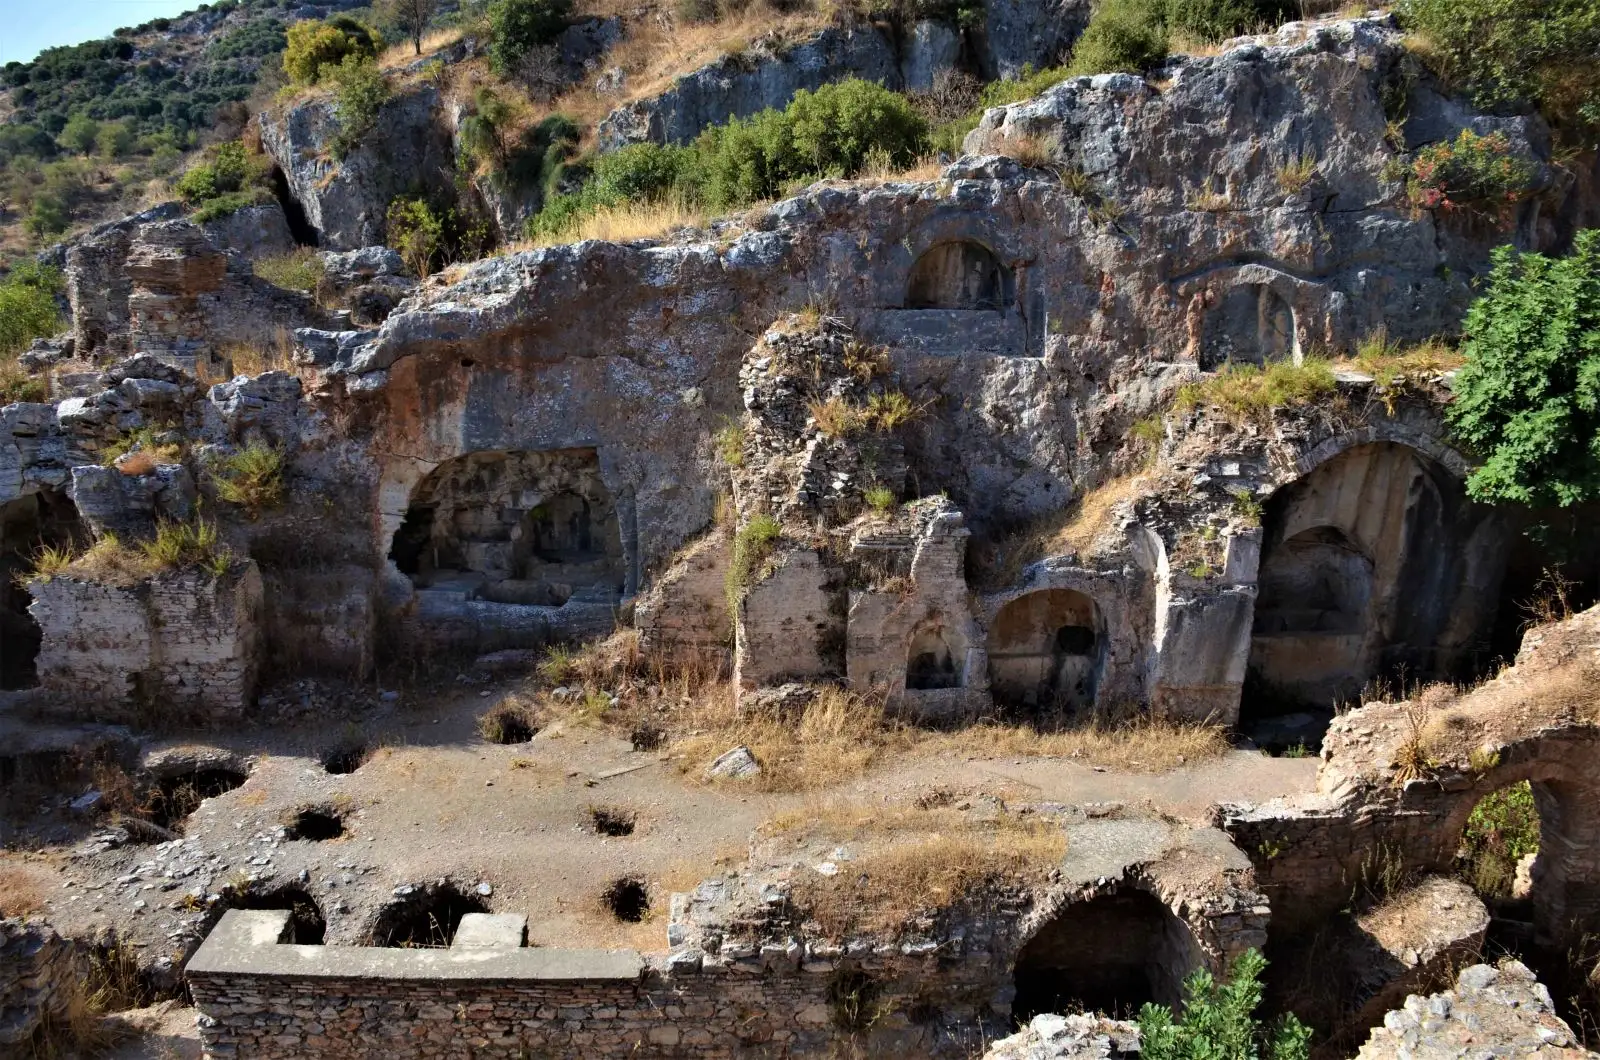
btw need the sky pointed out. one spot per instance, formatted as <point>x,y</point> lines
<point>27,27</point>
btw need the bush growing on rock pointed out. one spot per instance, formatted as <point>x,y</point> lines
<point>519,26</point>
<point>226,178</point>
<point>1528,397</point>
<point>1510,52</point>
<point>1471,171</point>
<point>1218,1021</point>
<point>360,91</point>
<point>1134,35</point>
<point>314,47</point>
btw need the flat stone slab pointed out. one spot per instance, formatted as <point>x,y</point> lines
<point>244,944</point>
<point>491,931</point>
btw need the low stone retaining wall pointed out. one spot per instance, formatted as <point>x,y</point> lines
<point>267,1001</point>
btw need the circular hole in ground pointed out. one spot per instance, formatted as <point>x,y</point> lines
<point>612,820</point>
<point>316,825</point>
<point>177,796</point>
<point>306,925</point>
<point>426,918</point>
<point>647,738</point>
<point>506,724</point>
<point>628,899</point>
<point>345,758</point>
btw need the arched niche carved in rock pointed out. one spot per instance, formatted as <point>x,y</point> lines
<point>1045,652</point>
<point>1249,324</point>
<point>959,275</point>
<point>514,527</point>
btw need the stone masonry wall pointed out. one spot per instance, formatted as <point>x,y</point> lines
<point>186,641</point>
<point>684,618</point>
<point>37,970</point>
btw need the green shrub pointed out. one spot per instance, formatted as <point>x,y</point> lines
<point>1031,83</point>
<point>829,132</point>
<point>223,205</point>
<point>28,308</point>
<point>225,167</point>
<point>416,230</point>
<point>1528,398</point>
<point>1122,36</point>
<point>79,134</point>
<point>1472,171</point>
<point>1507,52</point>
<point>1503,829</point>
<point>1213,20</point>
<point>518,26</point>
<point>313,49</point>
<point>195,545</point>
<point>360,91</point>
<point>1219,1023</point>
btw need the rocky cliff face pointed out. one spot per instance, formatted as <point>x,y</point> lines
<point>346,200</point>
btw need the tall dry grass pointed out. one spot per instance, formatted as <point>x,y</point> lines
<point>912,861</point>
<point>623,224</point>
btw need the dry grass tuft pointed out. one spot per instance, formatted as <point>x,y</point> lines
<point>625,224</point>
<point>276,355</point>
<point>23,887</point>
<point>836,738</point>
<point>1146,743</point>
<point>914,862</point>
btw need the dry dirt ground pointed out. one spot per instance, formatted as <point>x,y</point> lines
<point>515,823</point>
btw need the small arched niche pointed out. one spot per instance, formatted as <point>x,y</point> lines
<point>28,525</point>
<point>514,527</point>
<point>1250,324</point>
<point>930,662</point>
<point>1045,650</point>
<point>1111,954</point>
<point>959,275</point>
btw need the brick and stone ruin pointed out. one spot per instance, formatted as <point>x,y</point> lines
<point>483,678</point>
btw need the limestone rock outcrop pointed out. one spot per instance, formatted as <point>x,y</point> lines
<point>347,200</point>
<point>1500,1011</point>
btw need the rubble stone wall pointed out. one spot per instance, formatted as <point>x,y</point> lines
<point>38,970</point>
<point>184,641</point>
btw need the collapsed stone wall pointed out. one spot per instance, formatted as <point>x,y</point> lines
<point>1501,1010</point>
<point>185,643</point>
<point>39,970</point>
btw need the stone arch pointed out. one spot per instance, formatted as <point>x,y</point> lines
<point>931,661</point>
<point>1109,952</point>
<point>29,523</point>
<point>1362,562</point>
<point>959,274</point>
<point>1250,323</point>
<point>514,526</point>
<point>1046,649</point>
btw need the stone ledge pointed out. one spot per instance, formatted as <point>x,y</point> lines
<point>244,945</point>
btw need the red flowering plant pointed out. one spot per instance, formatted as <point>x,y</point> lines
<point>1480,173</point>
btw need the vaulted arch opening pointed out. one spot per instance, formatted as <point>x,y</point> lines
<point>514,527</point>
<point>29,525</point>
<point>1045,652</point>
<point>959,275</point>
<point>931,663</point>
<point>1111,954</point>
<point>1375,573</point>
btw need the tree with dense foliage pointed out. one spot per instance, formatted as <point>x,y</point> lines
<point>315,48</point>
<point>1218,1021</point>
<point>519,26</point>
<point>410,16</point>
<point>28,308</point>
<point>1511,52</point>
<point>1528,398</point>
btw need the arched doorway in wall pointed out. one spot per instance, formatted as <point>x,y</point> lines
<point>1111,953</point>
<point>931,662</point>
<point>29,524</point>
<point>1250,324</point>
<point>514,527</point>
<point>1045,652</point>
<point>959,275</point>
<point>1362,562</point>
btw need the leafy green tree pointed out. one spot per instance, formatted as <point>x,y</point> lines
<point>1528,398</point>
<point>360,91</point>
<point>416,230</point>
<point>519,26</point>
<point>1219,1023</point>
<point>315,47</point>
<point>28,308</point>
<point>79,134</point>
<point>410,16</point>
